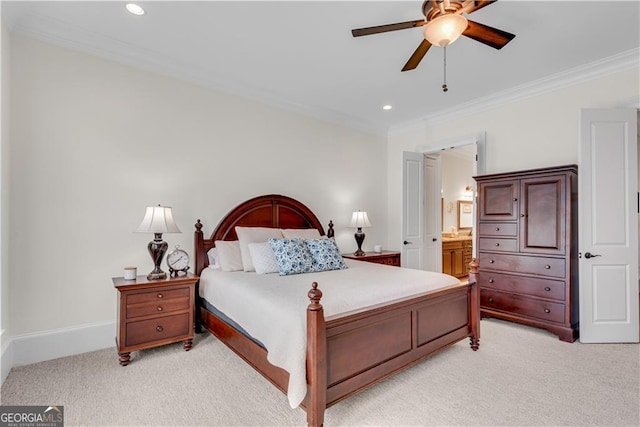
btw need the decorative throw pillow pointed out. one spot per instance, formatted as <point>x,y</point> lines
<point>248,235</point>
<point>300,233</point>
<point>263,258</point>
<point>325,254</point>
<point>229,253</point>
<point>292,255</point>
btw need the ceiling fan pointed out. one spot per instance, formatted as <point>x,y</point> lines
<point>444,23</point>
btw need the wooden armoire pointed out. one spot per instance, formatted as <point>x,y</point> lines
<point>527,248</point>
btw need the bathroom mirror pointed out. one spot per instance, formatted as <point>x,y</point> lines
<point>465,214</point>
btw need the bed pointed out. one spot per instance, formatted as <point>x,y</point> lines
<point>346,351</point>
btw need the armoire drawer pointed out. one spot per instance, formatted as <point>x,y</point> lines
<point>545,288</point>
<point>500,245</point>
<point>544,310</point>
<point>498,229</point>
<point>540,266</point>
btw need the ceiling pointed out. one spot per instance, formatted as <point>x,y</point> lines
<point>300,55</point>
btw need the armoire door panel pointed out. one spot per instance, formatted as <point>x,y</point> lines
<point>542,217</point>
<point>499,201</point>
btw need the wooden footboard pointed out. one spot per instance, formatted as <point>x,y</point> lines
<point>342,357</point>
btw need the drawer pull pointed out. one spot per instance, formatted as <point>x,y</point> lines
<point>491,261</point>
<point>159,308</point>
<point>547,267</point>
<point>490,299</point>
<point>497,228</point>
<point>497,244</point>
<point>490,280</point>
<point>515,199</point>
<point>546,310</point>
<point>160,295</point>
<point>159,328</point>
<point>521,215</point>
<point>546,288</point>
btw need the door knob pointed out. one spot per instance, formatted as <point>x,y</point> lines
<point>406,243</point>
<point>590,255</point>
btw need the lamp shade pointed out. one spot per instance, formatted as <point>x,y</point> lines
<point>158,219</point>
<point>445,29</point>
<point>360,219</point>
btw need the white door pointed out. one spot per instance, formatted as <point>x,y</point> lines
<point>412,210</point>
<point>608,226</point>
<point>432,213</point>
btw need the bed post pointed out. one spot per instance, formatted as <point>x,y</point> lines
<point>198,255</point>
<point>198,251</point>
<point>316,358</point>
<point>474,305</point>
<point>330,232</point>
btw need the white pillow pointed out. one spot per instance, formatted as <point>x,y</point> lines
<point>300,233</point>
<point>214,258</point>
<point>229,253</point>
<point>263,258</point>
<point>248,235</point>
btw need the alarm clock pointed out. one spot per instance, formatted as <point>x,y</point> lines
<point>177,260</point>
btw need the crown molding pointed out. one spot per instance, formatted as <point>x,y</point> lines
<point>611,65</point>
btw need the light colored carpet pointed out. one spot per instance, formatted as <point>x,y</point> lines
<point>520,376</point>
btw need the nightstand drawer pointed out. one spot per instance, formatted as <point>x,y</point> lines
<point>545,310</point>
<point>157,295</point>
<point>160,328</point>
<point>394,261</point>
<point>159,307</point>
<point>545,288</point>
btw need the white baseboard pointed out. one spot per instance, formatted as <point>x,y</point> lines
<point>47,345</point>
<point>6,356</point>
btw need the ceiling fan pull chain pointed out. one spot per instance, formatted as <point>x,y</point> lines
<point>444,86</point>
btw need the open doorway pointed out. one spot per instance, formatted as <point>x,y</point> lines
<point>457,207</point>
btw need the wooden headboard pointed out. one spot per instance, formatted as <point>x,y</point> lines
<point>272,210</point>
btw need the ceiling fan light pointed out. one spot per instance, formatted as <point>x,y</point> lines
<point>445,29</point>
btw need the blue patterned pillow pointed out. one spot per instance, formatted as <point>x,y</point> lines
<point>292,255</point>
<point>325,254</point>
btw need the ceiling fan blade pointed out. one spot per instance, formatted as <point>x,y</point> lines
<point>417,56</point>
<point>488,35</point>
<point>386,28</point>
<point>476,5</point>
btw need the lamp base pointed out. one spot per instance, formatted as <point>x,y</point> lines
<point>161,275</point>
<point>359,239</point>
<point>157,249</point>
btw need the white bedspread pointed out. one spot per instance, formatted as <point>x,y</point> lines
<point>272,308</point>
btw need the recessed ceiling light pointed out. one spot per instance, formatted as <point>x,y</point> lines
<point>135,9</point>
<point>387,107</point>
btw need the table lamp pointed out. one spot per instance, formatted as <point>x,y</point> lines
<point>359,219</point>
<point>157,220</point>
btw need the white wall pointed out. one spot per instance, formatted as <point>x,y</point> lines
<point>94,142</point>
<point>535,132</point>
<point>5,358</point>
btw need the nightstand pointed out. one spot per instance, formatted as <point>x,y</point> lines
<point>154,312</point>
<point>384,257</point>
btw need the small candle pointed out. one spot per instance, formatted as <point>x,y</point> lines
<point>130,273</point>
